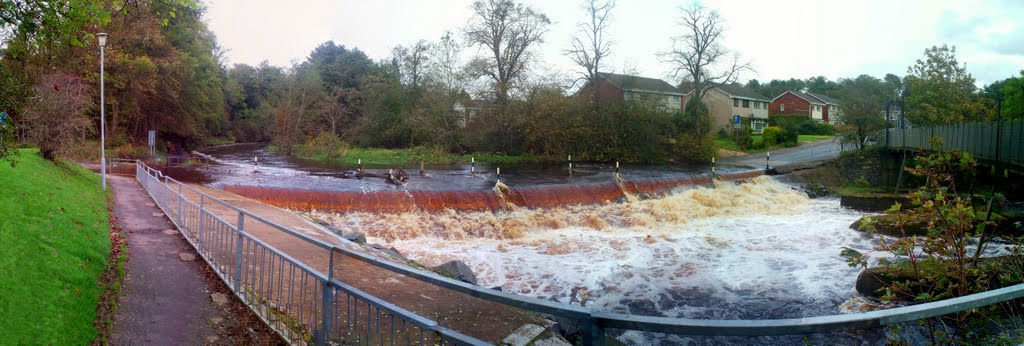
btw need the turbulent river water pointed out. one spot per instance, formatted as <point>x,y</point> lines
<point>756,250</point>
<point>753,250</point>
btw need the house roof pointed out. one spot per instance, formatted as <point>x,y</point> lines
<point>738,91</point>
<point>806,97</point>
<point>640,83</point>
<point>826,99</point>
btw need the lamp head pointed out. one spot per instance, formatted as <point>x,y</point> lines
<point>102,38</point>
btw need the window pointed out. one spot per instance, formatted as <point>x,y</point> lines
<point>817,108</point>
<point>757,104</point>
<point>746,103</point>
<point>782,107</point>
<point>735,102</point>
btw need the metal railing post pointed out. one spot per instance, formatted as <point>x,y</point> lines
<point>326,298</point>
<point>199,233</point>
<point>593,334</point>
<point>238,251</point>
<point>181,221</point>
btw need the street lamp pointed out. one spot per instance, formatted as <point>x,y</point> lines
<point>103,142</point>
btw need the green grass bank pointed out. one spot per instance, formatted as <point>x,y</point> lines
<point>408,157</point>
<point>54,230</point>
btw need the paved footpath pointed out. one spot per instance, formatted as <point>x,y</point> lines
<point>170,296</point>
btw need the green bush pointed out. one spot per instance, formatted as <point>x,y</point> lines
<point>744,138</point>
<point>771,136</point>
<point>325,145</point>
<point>811,127</point>
<point>802,124</point>
<point>789,137</point>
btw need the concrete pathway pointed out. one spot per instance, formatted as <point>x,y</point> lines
<point>169,292</point>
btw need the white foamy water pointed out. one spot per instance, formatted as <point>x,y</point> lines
<point>708,268</point>
<point>739,251</point>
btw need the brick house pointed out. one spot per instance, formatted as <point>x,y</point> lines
<point>815,106</point>
<point>831,112</point>
<point>725,102</point>
<point>468,109</point>
<point>611,87</point>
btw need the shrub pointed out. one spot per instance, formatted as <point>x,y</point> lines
<point>744,138</point>
<point>771,136</point>
<point>325,145</point>
<point>131,151</point>
<point>789,137</point>
<point>7,132</point>
<point>946,262</point>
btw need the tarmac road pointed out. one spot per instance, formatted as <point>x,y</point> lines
<point>809,152</point>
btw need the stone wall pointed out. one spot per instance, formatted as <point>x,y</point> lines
<point>875,167</point>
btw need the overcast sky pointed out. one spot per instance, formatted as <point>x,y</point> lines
<point>783,38</point>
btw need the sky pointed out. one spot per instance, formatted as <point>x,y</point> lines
<point>782,38</point>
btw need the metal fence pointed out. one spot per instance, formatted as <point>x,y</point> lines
<point>1000,141</point>
<point>304,305</point>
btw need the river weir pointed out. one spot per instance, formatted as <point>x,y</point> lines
<point>752,250</point>
<point>685,246</point>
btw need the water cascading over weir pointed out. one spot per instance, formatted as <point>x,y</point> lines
<point>502,198</point>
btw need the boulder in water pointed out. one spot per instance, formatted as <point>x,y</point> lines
<point>457,270</point>
<point>355,237</point>
<point>391,251</point>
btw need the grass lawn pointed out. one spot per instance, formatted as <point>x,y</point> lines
<point>54,233</point>
<point>812,138</point>
<point>410,157</point>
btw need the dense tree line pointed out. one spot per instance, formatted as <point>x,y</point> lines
<point>165,72</point>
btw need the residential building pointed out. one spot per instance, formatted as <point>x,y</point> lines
<point>726,102</point>
<point>468,109</point>
<point>611,87</point>
<point>831,113</point>
<point>815,106</point>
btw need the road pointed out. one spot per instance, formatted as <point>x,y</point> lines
<point>808,152</point>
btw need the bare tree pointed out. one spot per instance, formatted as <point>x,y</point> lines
<point>507,30</point>
<point>590,45</point>
<point>698,54</point>
<point>56,118</point>
<point>447,67</point>
<point>412,61</point>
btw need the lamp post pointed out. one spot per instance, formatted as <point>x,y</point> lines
<point>103,142</point>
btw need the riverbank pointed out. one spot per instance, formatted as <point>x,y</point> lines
<point>411,156</point>
<point>54,227</point>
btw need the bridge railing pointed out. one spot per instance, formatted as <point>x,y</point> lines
<point>1000,141</point>
<point>304,305</point>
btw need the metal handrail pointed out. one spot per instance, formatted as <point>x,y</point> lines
<point>593,322</point>
<point>1001,141</point>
